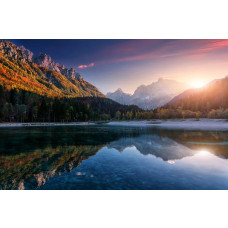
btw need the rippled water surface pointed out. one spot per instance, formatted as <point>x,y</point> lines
<point>111,157</point>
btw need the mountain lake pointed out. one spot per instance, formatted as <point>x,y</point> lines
<point>103,157</point>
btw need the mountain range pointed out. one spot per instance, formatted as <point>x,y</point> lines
<point>22,73</point>
<point>150,96</point>
<point>21,69</point>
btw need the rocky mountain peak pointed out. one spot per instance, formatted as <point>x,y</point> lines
<point>70,73</point>
<point>27,52</point>
<point>119,90</point>
<point>12,51</point>
<point>44,60</point>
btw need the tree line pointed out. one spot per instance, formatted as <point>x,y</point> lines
<point>164,113</point>
<point>24,106</point>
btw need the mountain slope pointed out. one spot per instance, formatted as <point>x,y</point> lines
<point>212,96</point>
<point>17,70</point>
<point>151,96</point>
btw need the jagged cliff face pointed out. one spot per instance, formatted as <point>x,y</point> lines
<point>45,60</point>
<point>27,52</point>
<point>20,68</point>
<point>12,52</point>
<point>151,96</point>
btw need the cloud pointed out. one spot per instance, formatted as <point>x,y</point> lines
<point>215,44</point>
<point>135,49</point>
<point>138,50</point>
<point>86,66</point>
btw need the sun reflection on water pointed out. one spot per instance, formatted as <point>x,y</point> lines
<point>203,152</point>
<point>171,162</point>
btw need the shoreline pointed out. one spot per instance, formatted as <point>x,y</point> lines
<point>44,124</point>
<point>177,124</point>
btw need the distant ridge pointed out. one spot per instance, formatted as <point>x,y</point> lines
<point>150,96</point>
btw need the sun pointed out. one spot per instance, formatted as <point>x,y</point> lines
<point>198,84</point>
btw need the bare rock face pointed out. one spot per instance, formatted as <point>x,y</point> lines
<point>27,52</point>
<point>71,73</point>
<point>12,51</point>
<point>46,61</point>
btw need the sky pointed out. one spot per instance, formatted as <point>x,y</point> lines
<point>127,64</point>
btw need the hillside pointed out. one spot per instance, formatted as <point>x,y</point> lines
<point>212,96</point>
<point>20,70</point>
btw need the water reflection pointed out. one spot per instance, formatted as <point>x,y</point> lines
<point>212,142</point>
<point>171,162</point>
<point>36,167</point>
<point>203,152</point>
<point>162,147</point>
<point>31,157</point>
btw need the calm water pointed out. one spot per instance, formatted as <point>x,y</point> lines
<point>106,157</point>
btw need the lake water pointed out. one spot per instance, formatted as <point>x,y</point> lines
<point>111,157</point>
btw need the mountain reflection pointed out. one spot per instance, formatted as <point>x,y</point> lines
<point>29,157</point>
<point>162,147</point>
<point>173,145</point>
<point>37,167</point>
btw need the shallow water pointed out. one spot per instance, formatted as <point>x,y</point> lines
<point>111,157</point>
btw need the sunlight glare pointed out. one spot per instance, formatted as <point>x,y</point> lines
<point>203,152</point>
<point>198,84</point>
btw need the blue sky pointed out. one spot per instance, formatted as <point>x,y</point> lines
<point>126,64</point>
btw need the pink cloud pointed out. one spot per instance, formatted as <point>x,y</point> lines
<point>130,50</point>
<point>161,52</point>
<point>86,66</point>
<point>214,44</point>
<point>193,49</point>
